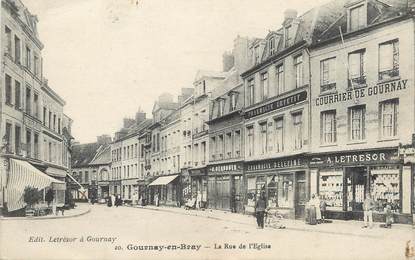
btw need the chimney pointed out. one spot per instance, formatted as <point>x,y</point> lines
<point>227,61</point>
<point>290,14</point>
<point>140,116</point>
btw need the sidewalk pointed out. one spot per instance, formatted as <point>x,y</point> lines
<point>79,210</point>
<point>340,227</point>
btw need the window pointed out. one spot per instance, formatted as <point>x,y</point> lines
<point>44,116</point>
<point>54,122</point>
<point>28,143</point>
<point>256,54</point>
<point>221,106</point>
<point>59,125</point>
<point>8,137</point>
<point>17,48</point>
<point>36,64</point>
<point>17,142</point>
<point>279,134</point>
<point>213,147</point>
<point>237,143</point>
<point>17,95</point>
<point>299,71</point>
<point>388,59</point>
<point>357,18</point>
<point>327,75</point>
<point>279,77</point>
<point>250,140</point>
<point>203,152</point>
<point>328,127</point>
<point>357,74</point>
<point>251,92</point>
<point>288,35</point>
<point>220,146</point>
<point>28,58</point>
<point>388,111</point>
<point>298,130</point>
<point>271,45</point>
<point>28,101</point>
<point>36,146</point>
<point>228,145</point>
<point>263,139</point>
<point>36,105</point>
<point>8,90</point>
<point>264,86</point>
<point>357,123</point>
<point>8,33</point>
<point>233,101</point>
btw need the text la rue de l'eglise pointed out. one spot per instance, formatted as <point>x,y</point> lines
<point>362,92</point>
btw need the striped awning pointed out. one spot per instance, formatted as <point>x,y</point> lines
<point>21,175</point>
<point>164,180</point>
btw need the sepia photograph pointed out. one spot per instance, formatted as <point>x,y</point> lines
<point>209,129</point>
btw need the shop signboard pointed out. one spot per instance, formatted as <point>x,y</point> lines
<point>227,168</point>
<point>355,158</point>
<point>283,163</point>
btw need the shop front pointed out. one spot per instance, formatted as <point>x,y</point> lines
<point>103,190</point>
<point>167,189</point>
<point>284,183</point>
<point>199,189</point>
<point>344,180</point>
<point>225,187</point>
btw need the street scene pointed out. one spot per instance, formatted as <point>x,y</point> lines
<point>207,130</point>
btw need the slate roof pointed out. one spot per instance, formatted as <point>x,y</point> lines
<point>102,156</point>
<point>83,154</point>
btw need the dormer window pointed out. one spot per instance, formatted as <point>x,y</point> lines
<point>288,35</point>
<point>221,107</point>
<point>233,101</point>
<point>256,54</point>
<point>357,17</point>
<point>271,45</point>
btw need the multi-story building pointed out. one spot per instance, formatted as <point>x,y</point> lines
<point>276,113</point>
<point>362,109</point>
<point>30,139</point>
<point>225,168</point>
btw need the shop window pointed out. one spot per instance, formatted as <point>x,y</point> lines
<point>331,188</point>
<point>272,191</point>
<point>389,60</point>
<point>285,191</point>
<point>384,187</point>
<point>388,112</point>
<point>328,127</point>
<point>356,187</point>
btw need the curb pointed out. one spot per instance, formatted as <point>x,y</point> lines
<point>244,223</point>
<point>43,218</point>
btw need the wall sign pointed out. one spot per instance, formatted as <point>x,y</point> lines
<point>378,89</point>
<point>280,103</point>
<point>225,167</point>
<point>275,164</point>
<point>355,158</point>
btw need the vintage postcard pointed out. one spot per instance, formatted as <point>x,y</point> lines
<point>209,129</point>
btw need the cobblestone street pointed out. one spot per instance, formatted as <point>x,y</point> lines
<point>122,232</point>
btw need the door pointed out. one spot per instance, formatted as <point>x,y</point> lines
<point>236,194</point>
<point>300,195</point>
<point>211,192</point>
<point>356,187</point>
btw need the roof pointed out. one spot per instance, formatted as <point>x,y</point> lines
<point>209,74</point>
<point>102,156</point>
<point>83,154</point>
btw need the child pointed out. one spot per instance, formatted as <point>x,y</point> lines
<point>388,216</point>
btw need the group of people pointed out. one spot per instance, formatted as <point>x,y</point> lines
<point>113,200</point>
<point>316,210</point>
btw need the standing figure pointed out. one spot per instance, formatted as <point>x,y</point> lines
<point>323,208</point>
<point>368,206</point>
<point>317,206</point>
<point>260,207</point>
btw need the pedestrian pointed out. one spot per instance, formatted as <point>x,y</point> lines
<point>118,201</point>
<point>368,206</point>
<point>113,199</point>
<point>156,199</point>
<point>388,216</point>
<point>109,202</point>
<point>260,206</point>
<point>323,208</point>
<point>199,200</point>
<point>311,211</point>
<point>317,207</point>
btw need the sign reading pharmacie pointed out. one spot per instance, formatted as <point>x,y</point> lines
<point>277,104</point>
<point>283,163</point>
<point>355,158</point>
<point>379,89</point>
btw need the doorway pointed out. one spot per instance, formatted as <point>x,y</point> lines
<point>357,184</point>
<point>300,195</point>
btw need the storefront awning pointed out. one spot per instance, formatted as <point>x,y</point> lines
<point>164,180</point>
<point>21,175</point>
<point>55,172</point>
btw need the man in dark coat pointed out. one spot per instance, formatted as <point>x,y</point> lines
<point>260,206</point>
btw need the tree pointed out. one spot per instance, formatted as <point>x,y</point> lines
<point>49,196</point>
<point>31,196</point>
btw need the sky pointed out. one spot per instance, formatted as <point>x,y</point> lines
<point>108,58</point>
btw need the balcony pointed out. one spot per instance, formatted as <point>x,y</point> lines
<point>328,87</point>
<point>357,82</point>
<point>388,74</point>
<point>237,154</point>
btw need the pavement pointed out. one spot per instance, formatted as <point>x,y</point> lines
<point>79,210</point>
<point>349,227</point>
